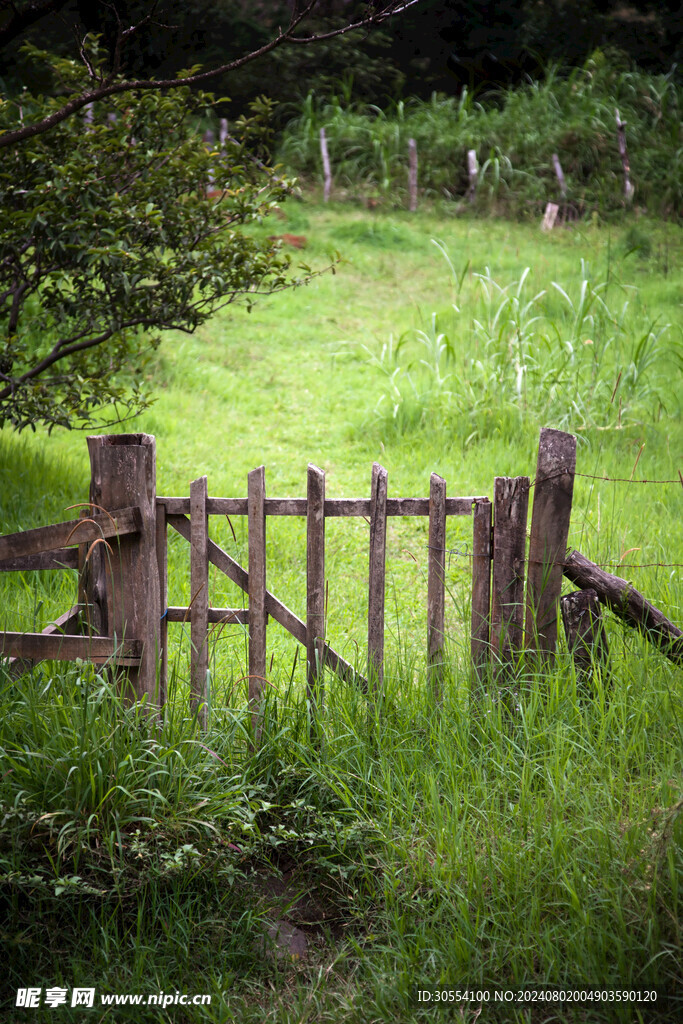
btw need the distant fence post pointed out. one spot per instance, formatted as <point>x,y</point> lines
<point>412,174</point>
<point>123,579</point>
<point>326,166</point>
<point>473,172</point>
<point>623,153</point>
<point>510,505</point>
<point>554,488</point>
<point>560,175</point>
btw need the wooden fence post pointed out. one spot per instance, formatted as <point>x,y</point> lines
<point>376,581</point>
<point>315,585</point>
<point>473,172</point>
<point>560,175</point>
<point>511,502</point>
<point>436,585</point>
<point>585,632</point>
<point>481,590</point>
<point>326,166</point>
<point>199,600</point>
<point>256,513</point>
<point>124,580</point>
<point>623,153</point>
<point>412,174</point>
<point>554,488</point>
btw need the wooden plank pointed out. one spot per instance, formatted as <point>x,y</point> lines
<point>162,563</point>
<point>226,616</point>
<point>334,507</point>
<point>121,522</point>
<point>585,632</point>
<point>257,590</point>
<point>481,591</point>
<point>123,473</point>
<point>436,585</point>
<point>199,603</point>
<point>550,517</point>
<point>628,604</point>
<point>510,505</point>
<point>315,586</point>
<point>63,558</point>
<point>376,576</point>
<point>67,647</point>
<point>66,623</point>
<point>286,618</point>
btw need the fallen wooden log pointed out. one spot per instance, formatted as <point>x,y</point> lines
<point>627,603</point>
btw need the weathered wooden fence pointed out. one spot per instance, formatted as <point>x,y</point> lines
<point>119,547</point>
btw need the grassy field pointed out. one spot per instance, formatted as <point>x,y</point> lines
<point>526,849</point>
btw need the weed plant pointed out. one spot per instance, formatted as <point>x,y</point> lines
<point>586,360</point>
<point>514,133</point>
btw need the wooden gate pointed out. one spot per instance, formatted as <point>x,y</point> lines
<point>119,546</point>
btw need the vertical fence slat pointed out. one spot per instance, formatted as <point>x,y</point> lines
<point>376,588</point>
<point>256,512</point>
<point>481,587</point>
<point>315,584</point>
<point>550,517</point>
<point>199,608</point>
<point>85,618</point>
<point>162,562</point>
<point>436,584</point>
<point>511,501</point>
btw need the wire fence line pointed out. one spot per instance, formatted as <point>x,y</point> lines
<point>611,479</point>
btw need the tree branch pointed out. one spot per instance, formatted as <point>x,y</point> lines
<point>389,9</point>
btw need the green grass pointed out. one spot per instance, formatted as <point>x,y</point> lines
<point>514,133</point>
<point>516,849</point>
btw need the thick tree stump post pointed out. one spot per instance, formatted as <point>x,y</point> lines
<point>622,598</point>
<point>585,632</point>
<point>123,585</point>
<point>554,489</point>
<point>511,502</point>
